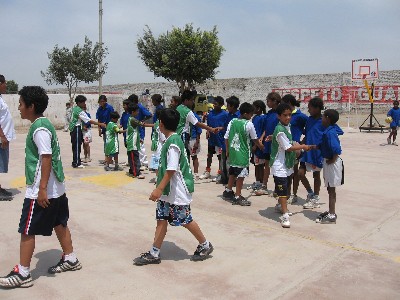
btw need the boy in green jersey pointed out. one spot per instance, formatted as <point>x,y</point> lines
<point>112,142</point>
<point>237,141</point>
<point>45,205</point>
<point>175,185</point>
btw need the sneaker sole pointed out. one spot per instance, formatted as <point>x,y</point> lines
<point>201,258</point>
<point>76,268</point>
<point>139,263</point>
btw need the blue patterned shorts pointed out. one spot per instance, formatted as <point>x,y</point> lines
<point>176,215</point>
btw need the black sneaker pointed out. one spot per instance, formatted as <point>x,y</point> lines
<point>202,253</point>
<point>323,215</point>
<point>5,192</point>
<point>328,220</point>
<point>241,201</point>
<point>146,259</point>
<point>228,195</point>
<point>14,280</point>
<point>64,266</point>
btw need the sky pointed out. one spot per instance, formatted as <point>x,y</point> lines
<point>261,37</point>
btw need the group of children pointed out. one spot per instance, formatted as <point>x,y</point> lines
<point>46,206</point>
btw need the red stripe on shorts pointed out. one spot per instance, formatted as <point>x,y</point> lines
<point>29,216</point>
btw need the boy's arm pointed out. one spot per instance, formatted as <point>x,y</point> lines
<point>332,160</point>
<point>258,144</point>
<point>98,124</point>
<point>208,128</point>
<point>227,147</point>
<point>42,199</point>
<point>3,140</point>
<point>157,192</point>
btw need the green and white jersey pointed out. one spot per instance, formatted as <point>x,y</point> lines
<point>173,157</point>
<point>154,136</point>
<point>186,117</point>
<point>132,136</point>
<point>78,116</point>
<point>239,133</point>
<point>112,142</point>
<point>42,139</point>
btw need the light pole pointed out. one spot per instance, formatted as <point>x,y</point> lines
<point>101,45</point>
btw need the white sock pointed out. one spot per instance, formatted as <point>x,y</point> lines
<point>205,245</point>
<point>24,271</point>
<point>228,190</point>
<point>331,216</point>
<point>70,257</point>
<point>286,215</point>
<point>155,251</point>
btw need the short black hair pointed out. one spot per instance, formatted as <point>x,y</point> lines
<point>102,97</point>
<point>157,97</point>
<point>170,118</point>
<point>177,99</point>
<point>80,99</point>
<point>114,115</point>
<point>233,101</point>
<point>134,98</point>
<point>332,115</point>
<point>219,100</point>
<point>126,101</point>
<point>317,103</point>
<point>34,95</point>
<point>187,95</point>
<point>290,99</point>
<point>132,107</point>
<point>395,102</point>
<point>261,105</point>
<point>274,96</point>
<point>2,79</point>
<point>282,107</point>
<point>246,108</point>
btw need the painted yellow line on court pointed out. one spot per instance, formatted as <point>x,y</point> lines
<point>20,182</point>
<point>115,179</point>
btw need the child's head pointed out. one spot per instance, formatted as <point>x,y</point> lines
<point>33,100</point>
<point>114,116</point>
<point>125,104</point>
<point>80,101</point>
<point>246,110</point>
<point>188,98</point>
<point>284,112</point>
<point>156,99</point>
<point>68,105</point>
<point>3,85</point>
<point>218,103</point>
<point>102,100</point>
<point>396,104</point>
<point>175,101</point>
<point>291,100</point>
<point>169,119</point>
<point>232,104</point>
<point>315,106</point>
<point>134,98</point>
<point>330,117</point>
<point>273,100</point>
<point>133,109</point>
<point>259,107</point>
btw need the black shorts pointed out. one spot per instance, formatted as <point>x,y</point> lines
<point>211,150</point>
<point>267,156</point>
<point>238,172</point>
<point>281,186</point>
<point>36,220</point>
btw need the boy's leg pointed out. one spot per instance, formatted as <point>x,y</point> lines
<point>317,182</point>
<point>64,237</point>
<point>194,229</point>
<point>204,249</point>
<point>281,188</point>
<point>394,135</point>
<point>239,186</point>
<point>26,249</point>
<point>223,168</point>
<point>136,163</point>
<point>130,161</point>
<point>296,179</point>
<point>195,160</point>
<point>161,231</point>
<point>332,199</point>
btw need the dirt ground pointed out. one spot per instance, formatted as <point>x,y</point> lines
<point>112,222</point>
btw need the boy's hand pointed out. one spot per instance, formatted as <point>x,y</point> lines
<point>4,142</point>
<point>42,199</point>
<point>155,195</point>
<point>215,130</point>
<point>268,138</point>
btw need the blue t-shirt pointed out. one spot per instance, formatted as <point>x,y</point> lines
<point>395,114</point>
<point>103,115</point>
<point>217,119</point>
<point>155,114</point>
<point>297,124</point>
<point>270,122</point>
<point>258,122</point>
<point>124,122</point>
<point>313,136</point>
<point>143,114</point>
<point>195,131</point>
<point>229,118</point>
<point>330,144</point>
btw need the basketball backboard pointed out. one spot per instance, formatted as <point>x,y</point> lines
<point>365,68</point>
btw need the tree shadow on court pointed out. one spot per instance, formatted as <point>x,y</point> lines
<point>46,259</point>
<point>170,251</point>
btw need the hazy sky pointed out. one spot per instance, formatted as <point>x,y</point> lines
<point>261,37</point>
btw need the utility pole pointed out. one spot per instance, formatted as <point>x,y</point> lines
<point>101,44</point>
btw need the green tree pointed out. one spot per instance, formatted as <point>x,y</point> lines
<point>12,87</point>
<point>186,56</point>
<point>80,64</point>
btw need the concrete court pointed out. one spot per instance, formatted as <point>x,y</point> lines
<point>112,222</point>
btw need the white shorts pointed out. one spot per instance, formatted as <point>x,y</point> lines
<point>191,144</point>
<point>87,136</point>
<point>312,168</point>
<point>258,161</point>
<point>333,173</point>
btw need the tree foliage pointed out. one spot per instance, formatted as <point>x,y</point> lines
<point>80,64</point>
<point>186,56</point>
<point>12,87</point>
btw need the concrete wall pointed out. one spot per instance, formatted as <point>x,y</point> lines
<point>247,89</point>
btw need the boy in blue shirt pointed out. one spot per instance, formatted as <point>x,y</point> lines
<point>333,170</point>
<point>394,113</point>
<point>124,117</point>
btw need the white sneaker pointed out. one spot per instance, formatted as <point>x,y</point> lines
<point>285,221</point>
<point>81,167</point>
<point>292,199</point>
<point>394,144</point>
<point>311,204</point>
<point>389,141</point>
<point>205,175</point>
<point>216,179</point>
<point>196,176</point>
